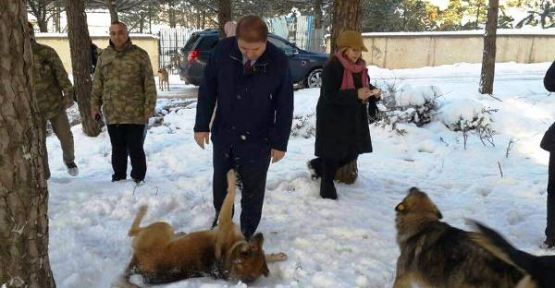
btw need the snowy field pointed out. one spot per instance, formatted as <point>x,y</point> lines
<point>345,243</point>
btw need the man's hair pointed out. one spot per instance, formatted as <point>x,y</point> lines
<point>252,29</point>
<point>121,24</point>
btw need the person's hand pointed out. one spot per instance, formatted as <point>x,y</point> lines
<point>376,93</point>
<point>363,93</point>
<point>202,138</point>
<point>96,114</point>
<point>147,116</point>
<point>277,155</point>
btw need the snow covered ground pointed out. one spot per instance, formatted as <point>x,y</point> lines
<point>344,243</point>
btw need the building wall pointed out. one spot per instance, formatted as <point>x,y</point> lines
<point>60,43</point>
<point>412,50</point>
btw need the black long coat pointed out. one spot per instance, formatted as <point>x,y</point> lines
<point>342,130</point>
<point>549,80</point>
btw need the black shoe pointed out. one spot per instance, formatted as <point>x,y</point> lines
<point>139,181</point>
<point>72,169</point>
<point>549,243</point>
<point>117,178</point>
<point>329,193</point>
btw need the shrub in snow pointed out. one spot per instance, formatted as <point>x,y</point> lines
<point>466,115</point>
<point>407,104</point>
<point>304,126</point>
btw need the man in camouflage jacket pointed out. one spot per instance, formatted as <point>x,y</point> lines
<point>54,94</point>
<point>124,86</point>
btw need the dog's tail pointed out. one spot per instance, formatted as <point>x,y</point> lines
<point>226,213</point>
<point>493,242</point>
<point>135,227</point>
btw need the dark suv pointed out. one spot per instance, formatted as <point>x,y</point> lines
<point>306,67</point>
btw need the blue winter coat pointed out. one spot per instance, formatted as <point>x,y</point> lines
<point>255,108</point>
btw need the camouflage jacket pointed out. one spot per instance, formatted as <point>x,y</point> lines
<point>50,80</point>
<point>124,85</point>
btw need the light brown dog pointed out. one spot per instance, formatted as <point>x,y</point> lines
<point>435,254</point>
<point>163,79</point>
<point>161,256</point>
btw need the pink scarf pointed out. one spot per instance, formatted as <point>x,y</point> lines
<point>349,69</point>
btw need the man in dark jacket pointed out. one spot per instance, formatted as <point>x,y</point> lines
<point>249,80</point>
<point>547,144</point>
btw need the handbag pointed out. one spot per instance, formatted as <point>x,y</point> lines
<point>348,173</point>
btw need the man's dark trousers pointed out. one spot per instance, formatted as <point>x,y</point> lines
<point>251,162</point>
<point>550,229</point>
<point>127,139</point>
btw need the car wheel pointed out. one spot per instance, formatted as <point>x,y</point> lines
<point>314,78</point>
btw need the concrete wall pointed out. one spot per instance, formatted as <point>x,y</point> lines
<point>60,43</point>
<point>412,50</point>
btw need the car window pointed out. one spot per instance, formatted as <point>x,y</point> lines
<point>207,43</point>
<point>284,46</point>
<point>191,42</point>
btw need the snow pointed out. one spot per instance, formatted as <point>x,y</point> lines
<point>345,243</point>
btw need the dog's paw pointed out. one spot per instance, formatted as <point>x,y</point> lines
<point>275,257</point>
<point>142,209</point>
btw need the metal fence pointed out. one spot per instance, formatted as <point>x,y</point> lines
<point>171,40</point>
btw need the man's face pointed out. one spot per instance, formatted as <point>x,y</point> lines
<point>251,50</point>
<point>118,35</point>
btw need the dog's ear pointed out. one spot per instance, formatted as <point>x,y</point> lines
<point>256,242</point>
<point>438,213</point>
<point>414,189</point>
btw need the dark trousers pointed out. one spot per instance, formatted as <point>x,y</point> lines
<point>326,169</point>
<point>252,171</point>
<point>127,140</point>
<point>550,229</point>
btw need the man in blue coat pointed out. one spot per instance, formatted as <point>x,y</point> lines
<point>248,81</point>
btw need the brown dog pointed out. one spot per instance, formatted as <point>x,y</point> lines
<point>163,79</point>
<point>161,256</point>
<point>435,254</point>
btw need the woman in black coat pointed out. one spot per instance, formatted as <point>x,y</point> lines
<point>346,98</point>
<point>548,143</point>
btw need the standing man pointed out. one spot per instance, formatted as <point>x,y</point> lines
<point>249,81</point>
<point>54,94</point>
<point>124,86</point>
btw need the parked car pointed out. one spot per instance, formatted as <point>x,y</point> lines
<point>306,67</point>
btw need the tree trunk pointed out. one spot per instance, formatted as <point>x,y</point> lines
<point>43,25</point>
<point>488,59</point>
<point>317,43</point>
<point>346,16</point>
<point>113,11</point>
<point>57,24</point>
<point>224,15</point>
<point>24,260</point>
<point>318,14</point>
<point>80,48</point>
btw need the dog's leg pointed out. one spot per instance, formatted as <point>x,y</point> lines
<point>225,221</point>
<point>276,257</point>
<point>135,227</point>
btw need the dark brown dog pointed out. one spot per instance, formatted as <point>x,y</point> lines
<point>435,254</point>
<point>161,256</point>
<point>539,268</point>
<point>163,79</point>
